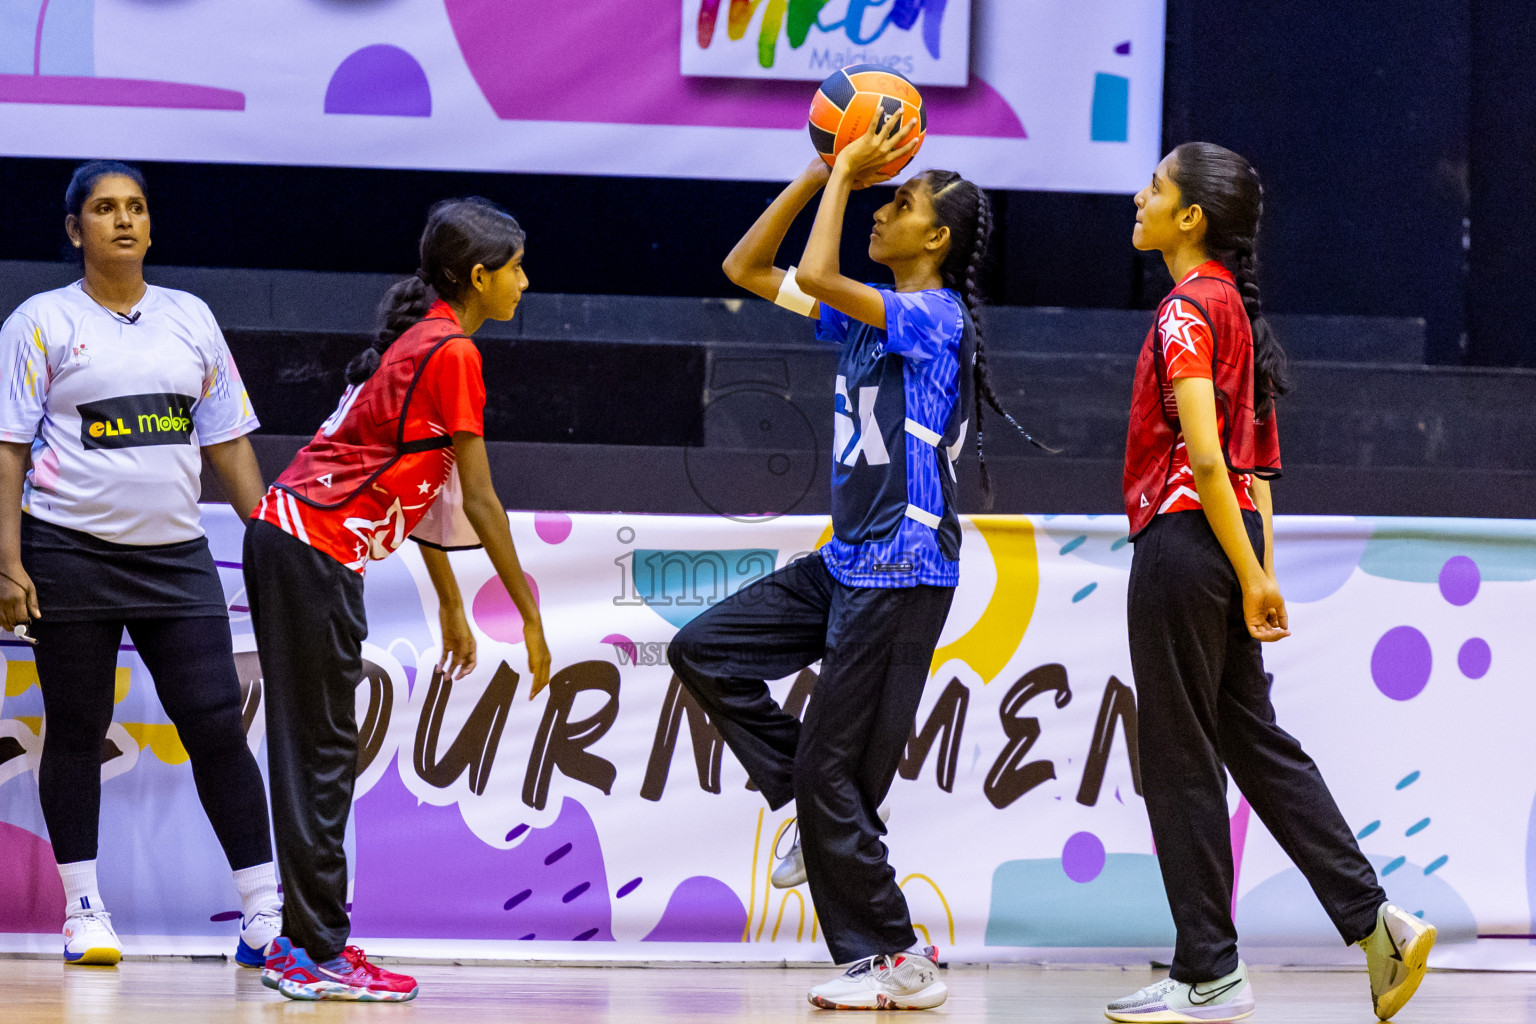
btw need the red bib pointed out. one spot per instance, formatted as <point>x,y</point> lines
<point>1250,445</point>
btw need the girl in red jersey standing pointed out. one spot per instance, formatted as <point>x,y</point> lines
<point>409,428</point>
<point>1202,448</point>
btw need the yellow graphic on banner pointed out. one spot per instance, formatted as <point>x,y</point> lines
<point>162,739</point>
<point>989,645</point>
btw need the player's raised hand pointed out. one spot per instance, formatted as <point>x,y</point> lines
<point>887,140</point>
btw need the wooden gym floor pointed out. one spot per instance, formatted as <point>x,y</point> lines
<point>186,992</point>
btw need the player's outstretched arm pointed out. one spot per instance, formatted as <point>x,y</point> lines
<point>858,166</point>
<point>1263,606</point>
<point>458,658</point>
<point>750,263</point>
<point>18,597</point>
<point>486,514</point>
<point>235,464</point>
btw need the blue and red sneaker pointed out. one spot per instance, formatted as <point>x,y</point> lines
<point>282,956</point>
<point>350,978</point>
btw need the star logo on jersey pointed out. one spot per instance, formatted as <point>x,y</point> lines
<point>423,487</point>
<point>1175,326</point>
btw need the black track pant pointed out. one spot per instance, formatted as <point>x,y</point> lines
<point>875,647</point>
<point>1203,706</point>
<point>308,612</point>
<point>193,666</point>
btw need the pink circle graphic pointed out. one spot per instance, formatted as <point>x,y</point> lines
<point>496,615</point>
<point>622,645</point>
<point>552,527</point>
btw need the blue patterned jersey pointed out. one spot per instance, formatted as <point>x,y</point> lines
<point>902,408</point>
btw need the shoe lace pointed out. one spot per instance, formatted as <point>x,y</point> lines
<point>793,842</point>
<point>92,915</point>
<point>864,966</point>
<point>359,961</point>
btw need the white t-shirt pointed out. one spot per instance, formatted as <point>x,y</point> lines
<point>116,412</point>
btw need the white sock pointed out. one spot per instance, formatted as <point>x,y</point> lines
<point>257,886</point>
<point>80,892</point>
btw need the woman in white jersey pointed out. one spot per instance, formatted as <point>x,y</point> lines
<point>112,392</point>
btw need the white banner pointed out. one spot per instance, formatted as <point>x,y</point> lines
<point>928,41</point>
<point>1059,96</point>
<point>603,819</point>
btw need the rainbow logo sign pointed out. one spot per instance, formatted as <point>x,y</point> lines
<point>928,41</point>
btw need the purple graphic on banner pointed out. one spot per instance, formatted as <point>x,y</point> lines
<point>421,873</point>
<point>1401,662</point>
<point>1475,658</point>
<point>702,909</point>
<point>31,895</point>
<point>1082,858</point>
<point>1459,580</point>
<point>620,66</point>
<point>379,79</point>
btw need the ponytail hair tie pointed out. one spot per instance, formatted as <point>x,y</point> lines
<point>421,275</point>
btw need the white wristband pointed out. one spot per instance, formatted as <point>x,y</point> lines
<point>791,297</point>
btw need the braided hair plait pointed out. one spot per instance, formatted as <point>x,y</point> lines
<point>1227,189</point>
<point>965,209</point>
<point>1270,376</point>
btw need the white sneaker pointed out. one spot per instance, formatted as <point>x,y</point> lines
<point>89,939</point>
<point>901,981</point>
<point>256,934</point>
<point>1397,954</point>
<point>1229,997</point>
<point>790,870</point>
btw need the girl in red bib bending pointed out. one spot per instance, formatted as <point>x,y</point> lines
<point>402,456</point>
<point>1202,448</point>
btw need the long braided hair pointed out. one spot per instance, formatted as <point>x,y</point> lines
<point>964,208</point>
<point>1226,188</point>
<point>460,233</point>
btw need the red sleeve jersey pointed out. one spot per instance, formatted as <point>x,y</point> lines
<point>377,510</point>
<point>1189,350</point>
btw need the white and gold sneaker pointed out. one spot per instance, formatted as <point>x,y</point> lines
<point>89,939</point>
<point>1397,954</point>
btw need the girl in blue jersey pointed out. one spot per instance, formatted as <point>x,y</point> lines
<point>870,604</point>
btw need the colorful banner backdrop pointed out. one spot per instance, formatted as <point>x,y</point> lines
<point>603,819</point>
<point>928,41</point>
<point>1051,95</point>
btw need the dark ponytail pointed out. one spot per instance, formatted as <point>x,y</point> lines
<point>964,208</point>
<point>460,234</point>
<point>1226,188</point>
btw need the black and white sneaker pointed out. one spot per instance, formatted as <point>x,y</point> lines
<point>1172,1002</point>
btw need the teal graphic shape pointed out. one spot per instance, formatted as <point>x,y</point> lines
<point>1415,550</point>
<point>679,585</point>
<point>1035,903</point>
<point>1073,536</point>
<point>1111,108</point>
<point>1282,910</point>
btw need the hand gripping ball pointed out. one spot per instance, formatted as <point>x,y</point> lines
<point>849,99</point>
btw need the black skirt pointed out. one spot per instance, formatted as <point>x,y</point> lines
<point>82,578</point>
